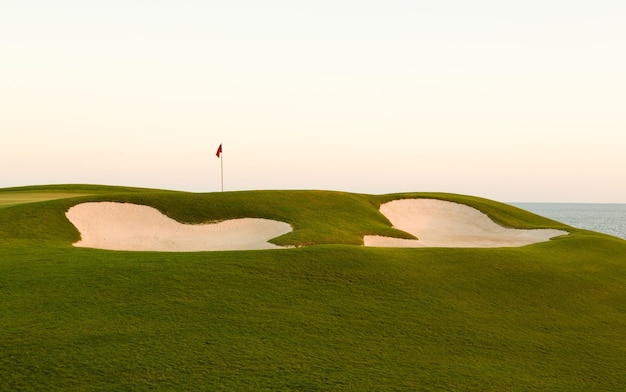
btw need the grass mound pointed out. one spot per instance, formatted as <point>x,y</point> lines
<point>331,316</point>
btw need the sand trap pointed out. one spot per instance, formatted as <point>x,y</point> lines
<point>438,223</point>
<point>122,226</point>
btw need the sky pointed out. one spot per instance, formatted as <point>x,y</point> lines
<point>509,100</point>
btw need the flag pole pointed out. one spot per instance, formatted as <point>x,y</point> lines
<point>219,155</point>
<point>222,165</point>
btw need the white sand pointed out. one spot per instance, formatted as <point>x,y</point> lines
<point>123,226</point>
<point>438,223</point>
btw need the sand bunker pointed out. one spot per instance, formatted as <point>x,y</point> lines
<point>438,223</point>
<point>122,226</point>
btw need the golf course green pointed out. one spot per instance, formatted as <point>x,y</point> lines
<point>324,313</point>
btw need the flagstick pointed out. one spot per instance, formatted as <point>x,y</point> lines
<point>222,164</point>
<point>219,154</point>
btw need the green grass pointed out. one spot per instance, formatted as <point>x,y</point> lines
<point>330,316</point>
<point>10,197</point>
<point>15,198</point>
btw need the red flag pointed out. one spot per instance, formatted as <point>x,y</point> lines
<point>219,151</point>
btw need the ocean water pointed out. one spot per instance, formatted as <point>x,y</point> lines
<point>603,218</point>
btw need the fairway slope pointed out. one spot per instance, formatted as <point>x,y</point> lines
<point>326,314</point>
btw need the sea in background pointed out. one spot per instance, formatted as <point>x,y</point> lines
<point>604,218</point>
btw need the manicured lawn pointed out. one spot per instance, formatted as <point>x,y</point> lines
<point>15,198</point>
<point>330,316</point>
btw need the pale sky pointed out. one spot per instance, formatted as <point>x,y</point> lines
<point>509,100</point>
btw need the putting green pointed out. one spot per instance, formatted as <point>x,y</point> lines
<point>10,199</point>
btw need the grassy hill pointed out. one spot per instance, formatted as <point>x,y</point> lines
<point>327,315</point>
